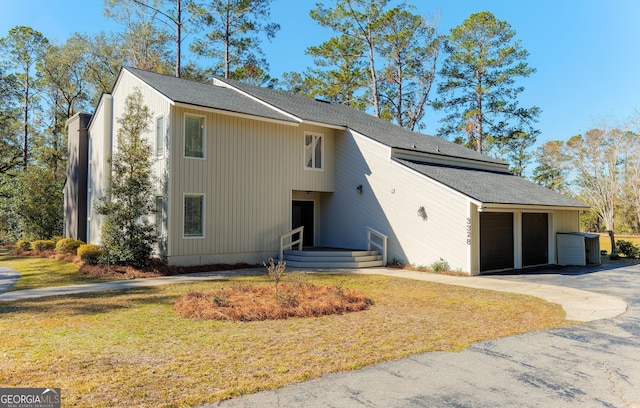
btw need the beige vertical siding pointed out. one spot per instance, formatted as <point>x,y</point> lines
<point>99,152</point>
<point>102,135</point>
<point>247,177</point>
<point>389,203</point>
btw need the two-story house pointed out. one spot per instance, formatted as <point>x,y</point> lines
<point>239,166</point>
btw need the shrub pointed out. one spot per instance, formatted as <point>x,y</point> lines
<point>440,266</point>
<point>23,245</point>
<point>68,245</point>
<point>275,271</point>
<point>627,248</point>
<point>43,245</point>
<point>56,238</point>
<point>89,253</point>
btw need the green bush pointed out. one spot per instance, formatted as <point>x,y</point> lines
<point>627,248</point>
<point>43,245</point>
<point>23,245</point>
<point>56,238</point>
<point>440,266</point>
<point>68,246</point>
<point>90,253</point>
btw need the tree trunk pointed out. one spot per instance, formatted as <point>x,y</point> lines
<point>178,37</point>
<point>613,244</point>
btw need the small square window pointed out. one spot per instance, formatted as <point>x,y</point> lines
<point>193,216</point>
<point>194,137</point>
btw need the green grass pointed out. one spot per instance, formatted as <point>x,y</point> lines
<point>128,348</point>
<point>605,242</point>
<point>38,272</point>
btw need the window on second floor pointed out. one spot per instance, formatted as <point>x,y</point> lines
<point>160,136</point>
<point>313,151</point>
<point>194,136</point>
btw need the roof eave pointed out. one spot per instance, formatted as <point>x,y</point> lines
<point>520,206</point>
<point>236,114</point>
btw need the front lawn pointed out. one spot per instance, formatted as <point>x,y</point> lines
<point>39,272</point>
<point>128,348</point>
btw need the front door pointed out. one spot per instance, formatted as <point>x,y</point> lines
<point>302,215</point>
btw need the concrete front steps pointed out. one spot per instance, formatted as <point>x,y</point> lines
<point>332,258</point>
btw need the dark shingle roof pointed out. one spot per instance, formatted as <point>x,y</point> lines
<point>493,187</point>
<point>206,95</point>
<point>484,186</point>
<point>377,129</point>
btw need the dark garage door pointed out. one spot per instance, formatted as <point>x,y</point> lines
<point>496,241</point>
<point>535,239</point>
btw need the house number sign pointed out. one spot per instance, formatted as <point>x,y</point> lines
<point>468,231</point>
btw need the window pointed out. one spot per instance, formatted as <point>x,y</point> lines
<point>160,136</point>
<point>194,136</point>
<point>313,151</point>
<point>159,215</point>
<point>193,216</point>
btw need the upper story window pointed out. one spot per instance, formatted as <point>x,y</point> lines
<point>194,136</point>
<point>313,149</point>
<point>160,136</point>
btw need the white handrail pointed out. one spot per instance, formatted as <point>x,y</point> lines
<point>380,246</point>
<point>290,234</point>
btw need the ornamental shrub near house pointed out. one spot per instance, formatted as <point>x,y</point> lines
<point>90,253</point>
<point>68,246</point>
<point>23,245</point>
<point>43,245</point>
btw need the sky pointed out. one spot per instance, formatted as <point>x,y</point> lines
<point>586,52</point>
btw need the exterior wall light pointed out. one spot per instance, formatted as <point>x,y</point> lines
<point>359,188</point>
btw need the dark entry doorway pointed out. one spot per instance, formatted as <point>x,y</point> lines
<point>535,239</point>
<point>496,241</point>
<point>302,215</point>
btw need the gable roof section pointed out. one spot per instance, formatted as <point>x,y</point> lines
<point>206,95</point>
<point>490,187</point>
<point>380,130</point>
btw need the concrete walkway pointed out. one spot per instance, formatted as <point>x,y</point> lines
<point>579,305</point>
<point>8,278</point>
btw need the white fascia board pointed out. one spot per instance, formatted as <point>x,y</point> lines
<point>327,125</point>
<point>432,158</point>
<point>525,207</point>
<point>236,114</point>
<point>260,101</point>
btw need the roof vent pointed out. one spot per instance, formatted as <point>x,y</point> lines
<point>414,146</point>
<point>438,149</point>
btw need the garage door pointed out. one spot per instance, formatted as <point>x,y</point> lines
<point>535,239</point>
<point>496,241</point>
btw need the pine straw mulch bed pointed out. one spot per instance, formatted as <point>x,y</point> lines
<point>155,269</point>
<point>250,303</point>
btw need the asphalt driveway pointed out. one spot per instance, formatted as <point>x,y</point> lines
<point>595,364</point>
